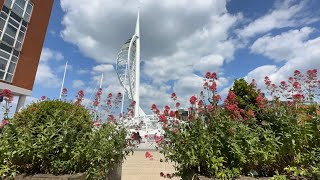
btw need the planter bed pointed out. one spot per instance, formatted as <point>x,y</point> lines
<point>80,176</point>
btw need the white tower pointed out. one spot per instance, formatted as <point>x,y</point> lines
<point>128,69</point>
<point>137,80</point>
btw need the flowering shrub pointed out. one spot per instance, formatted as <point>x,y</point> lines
<point>7,97</point>
<point>248,136</point>
<point>58,137</point>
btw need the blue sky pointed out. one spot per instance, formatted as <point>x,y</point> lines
<point>180,41</point>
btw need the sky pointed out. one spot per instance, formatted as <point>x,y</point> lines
<point>180,41</point>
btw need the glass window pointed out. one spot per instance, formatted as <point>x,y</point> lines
<point>9,40</point>
<point>20,36</point>
<point>4,54</point>
<point>8,3</point>
<point>2,22</point>
<point>5,48</point>
<point>21,3</point>
<point>5,9</point>
<point>8,77</point>
<point>14,59</point>
<point>18,45</point>
<point>24,23</point>
<point>15,16</point>
<point>17,9</point>
<point>11,30</point>
<point>29,8</point>
<point>4,15</point>
<point>23,29</point>
<point>11,68</point>
<point>14,23</point>
<point>26,17</point>
<point>3,64</point>
<point>16,53</point>
<point>1,75</point>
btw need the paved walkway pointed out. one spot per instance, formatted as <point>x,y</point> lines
<point>138,167</point>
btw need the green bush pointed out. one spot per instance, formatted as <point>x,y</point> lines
<point>215,145</point>
<point>247,136</point>
<point>58,137</point>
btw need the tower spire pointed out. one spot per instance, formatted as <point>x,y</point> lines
<point>137,77</point>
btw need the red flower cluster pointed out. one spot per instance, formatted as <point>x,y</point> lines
<point>174,96</point>
<point>231,105</point>
<point>64,92</point>
<point>79,97</point>
<point>96,101</point>
<point>193,100</point>
<point>3,123</point>
<point>148,155</point>
<point>7,95</point>
<point>261,102</point>
<point>158,139</point>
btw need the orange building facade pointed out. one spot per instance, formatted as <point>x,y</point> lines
<point>23,26</point>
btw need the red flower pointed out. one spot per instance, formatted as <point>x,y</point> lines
<point>163,118</point>
<point>157,111</point>
<point>109,95</point>
<point>153,107</point>
<point>297,97</point>
<point>172,114</point>
<point>267,81</point>
<point>214,76</point>
<point>174,96</point>
<point>43,98</point>
<point>217,98</point>
<point>210,107</point>
<point>177,104</point>
<point>193,100</point>
<point>79,97</point>
<point>3,123</point>
<point>200,103</point>
<point>296,85</point>
<point>149,155</point>
<point>167,107</point>
<point>205,85</point>
<point>166,112</point>
<point>261,101</point>
<point>7,94</point>
<point>297,72</point>
<point>208,75</point>
<point>213,86</point>
<point>64,91</point>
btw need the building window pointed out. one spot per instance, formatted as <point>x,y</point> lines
<point>14,19</point>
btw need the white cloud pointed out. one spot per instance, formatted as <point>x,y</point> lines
<point>77,84</point>
<point>283,47</point>
<point>295,48</point>
<point>82,71</point>
<point>46,77</point>
<point>259,73</point>
<point>48,54</point>
<point>285,14</point>
<point>204,50</point>
<point>174,39</point>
